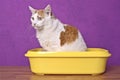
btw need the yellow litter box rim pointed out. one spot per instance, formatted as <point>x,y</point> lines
<point>91,52</point>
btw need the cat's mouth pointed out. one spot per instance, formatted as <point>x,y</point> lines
<point>38,27</point>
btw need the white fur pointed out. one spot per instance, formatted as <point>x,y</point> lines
<point>48,34</point>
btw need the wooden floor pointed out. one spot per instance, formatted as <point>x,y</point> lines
<point>23,73</point>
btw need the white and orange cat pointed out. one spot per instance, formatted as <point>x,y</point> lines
<point>53,35</point>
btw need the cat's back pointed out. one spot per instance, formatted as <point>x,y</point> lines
<point>71,39</point>
<point>69,35</point>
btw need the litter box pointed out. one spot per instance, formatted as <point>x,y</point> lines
<point>93,61</point>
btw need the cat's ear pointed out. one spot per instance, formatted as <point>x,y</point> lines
<point>48,10</point>
<point>32,10</point>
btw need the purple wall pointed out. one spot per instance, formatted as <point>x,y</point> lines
<point>98,21</point>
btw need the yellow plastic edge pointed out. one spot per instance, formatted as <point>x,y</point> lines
<point>91,52</point>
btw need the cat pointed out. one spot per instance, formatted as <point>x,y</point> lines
<point>52,34</point>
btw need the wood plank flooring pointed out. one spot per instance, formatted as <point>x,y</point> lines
<point>24,73</point>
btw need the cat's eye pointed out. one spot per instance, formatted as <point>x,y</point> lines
<point>39,18</point>
<point>32,18</point>
<point>47,13</point>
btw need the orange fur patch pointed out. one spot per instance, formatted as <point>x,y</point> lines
<point>70,35</point>
<point>41,13</point>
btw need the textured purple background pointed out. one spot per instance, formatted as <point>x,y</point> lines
<point>98,21</point>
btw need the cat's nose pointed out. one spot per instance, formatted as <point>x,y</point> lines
<point>34,24</point>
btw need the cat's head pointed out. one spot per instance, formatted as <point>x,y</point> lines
<point>39,17</point>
